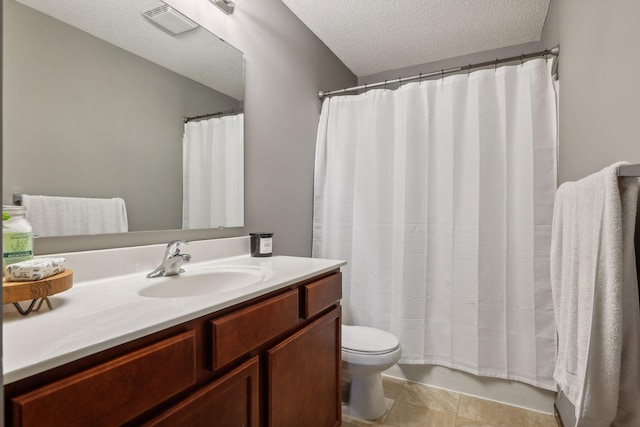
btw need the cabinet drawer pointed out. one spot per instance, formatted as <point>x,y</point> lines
<point>229,401</point>
<point>240,332</point>
<point>113,392</point>
<point>322,294</point>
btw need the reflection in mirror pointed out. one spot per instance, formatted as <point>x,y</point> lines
<point>213,176</point>
<point>95,95</point>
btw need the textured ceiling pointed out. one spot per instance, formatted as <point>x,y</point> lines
<point>372,36</point>
<point>196,54</point>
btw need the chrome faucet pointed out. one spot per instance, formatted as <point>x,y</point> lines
<point>172,261</point>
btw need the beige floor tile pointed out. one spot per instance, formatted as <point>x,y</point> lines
<point>429,397</point>
<point>404,414</point>
<point>538,419</point>
<point>491,413</point>
<point>392,387</point>
<point>463,422</point>
<point>348,421</point>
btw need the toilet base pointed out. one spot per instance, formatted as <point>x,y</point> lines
<point>366,397</point>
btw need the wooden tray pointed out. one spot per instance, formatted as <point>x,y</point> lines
<point>22,291</point>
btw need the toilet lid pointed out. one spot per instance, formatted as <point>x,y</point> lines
<point>362,339</point>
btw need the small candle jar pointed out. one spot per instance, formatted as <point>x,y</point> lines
<point>261,244</point>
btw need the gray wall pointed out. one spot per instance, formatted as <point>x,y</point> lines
<point>599,86</point>
<point>84,118</point>
<point>551,30</point>
<point>285,67</point>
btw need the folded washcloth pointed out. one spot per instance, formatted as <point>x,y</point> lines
<point>34,269</point>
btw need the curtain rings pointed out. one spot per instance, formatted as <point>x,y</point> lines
<point>495,68</point>
<point>420,79</point>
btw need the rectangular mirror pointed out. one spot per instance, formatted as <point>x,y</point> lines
<point>95,99</point>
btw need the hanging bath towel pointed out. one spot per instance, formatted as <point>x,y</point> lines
<point>72,216</point>
<point>595,292</point>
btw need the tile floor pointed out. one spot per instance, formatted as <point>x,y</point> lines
<point>412,405</point>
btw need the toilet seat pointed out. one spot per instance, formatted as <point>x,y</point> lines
<point>367,341</point>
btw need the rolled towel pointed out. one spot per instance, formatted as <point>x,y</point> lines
<point>34,269</point>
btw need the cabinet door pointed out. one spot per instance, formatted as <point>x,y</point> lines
<point>231,401</point>
<point>303,378</point>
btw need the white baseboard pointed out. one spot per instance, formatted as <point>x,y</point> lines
<point>566,410</point>
<point>499,390</point>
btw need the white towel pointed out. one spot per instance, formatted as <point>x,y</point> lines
<point>595,292</point>
<point>70,216</point>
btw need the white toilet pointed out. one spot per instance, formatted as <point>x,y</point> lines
<point>366,352</point>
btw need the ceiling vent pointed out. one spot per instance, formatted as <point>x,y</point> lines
<point>170,19</point>
<point>227,6</point>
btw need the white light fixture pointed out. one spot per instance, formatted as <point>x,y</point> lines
<point>227,6</point>
<point>170,19</point>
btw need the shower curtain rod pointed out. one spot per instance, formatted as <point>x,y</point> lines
<point>208,116</point>
<point>550,52</point>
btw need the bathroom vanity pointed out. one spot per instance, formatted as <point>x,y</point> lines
<point>268,354</point>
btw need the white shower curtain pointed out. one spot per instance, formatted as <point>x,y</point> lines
<point>440,197</point>
<point>213,173</point>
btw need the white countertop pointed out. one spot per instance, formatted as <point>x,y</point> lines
<point>102,313</point>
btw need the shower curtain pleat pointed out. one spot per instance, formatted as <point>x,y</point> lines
<point>440,197</point>
<point>213,173</point>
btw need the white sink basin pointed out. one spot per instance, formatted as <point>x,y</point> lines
<point>204,280</point>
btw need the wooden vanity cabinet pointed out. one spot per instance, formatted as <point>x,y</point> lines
<point>271,361</point>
